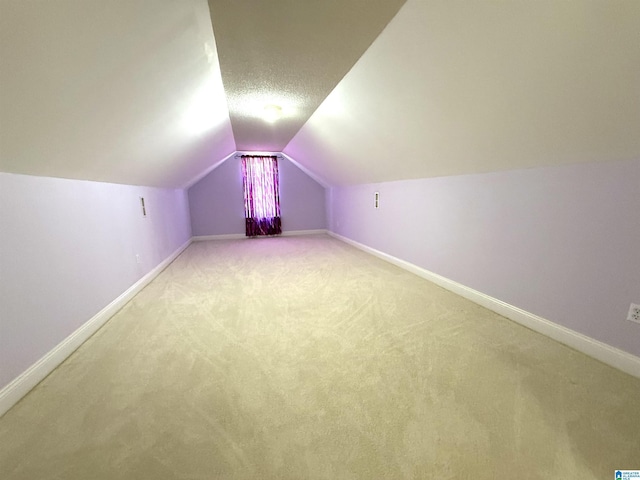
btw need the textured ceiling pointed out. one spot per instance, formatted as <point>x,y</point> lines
<point>132,91</point>
<point>291,53</point>
<point>462,86</point>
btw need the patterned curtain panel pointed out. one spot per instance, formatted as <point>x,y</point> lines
<point>261,195</point>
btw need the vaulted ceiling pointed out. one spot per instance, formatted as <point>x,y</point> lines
<point>289,53</point>
<point>124,91</point>
<point>140,92</point>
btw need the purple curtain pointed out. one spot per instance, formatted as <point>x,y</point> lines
<point>261,195</point>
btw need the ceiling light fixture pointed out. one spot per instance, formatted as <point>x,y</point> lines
<point>272,113</point>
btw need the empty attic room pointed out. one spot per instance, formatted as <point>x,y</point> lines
<point>345,240</point>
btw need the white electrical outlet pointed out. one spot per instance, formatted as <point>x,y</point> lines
<point>634,313</point>
<point>138,258</point>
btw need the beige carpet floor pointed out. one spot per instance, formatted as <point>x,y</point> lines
<point>303,358</point>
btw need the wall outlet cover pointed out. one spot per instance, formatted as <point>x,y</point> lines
<point>634,313</point>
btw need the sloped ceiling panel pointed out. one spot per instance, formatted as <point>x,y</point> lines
<point>117,91</point>
<point>290,53</point>
<point>455,87</point>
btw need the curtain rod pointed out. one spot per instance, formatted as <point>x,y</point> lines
<point>257,155</point>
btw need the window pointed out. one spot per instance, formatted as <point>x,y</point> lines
<point>261,195</point>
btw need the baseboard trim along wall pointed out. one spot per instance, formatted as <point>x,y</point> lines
<point>236,236</point>
<point>294,233</point>
<point>612,356</point>
<point>226,236</point>
<point>624,361</point>
<point>18,388</point>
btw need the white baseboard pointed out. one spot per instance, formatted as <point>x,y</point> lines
<point>227,236</point>
<point>295,233</point>
<point>612,356</point>
<point>19,387</point>
<point>237,236</point>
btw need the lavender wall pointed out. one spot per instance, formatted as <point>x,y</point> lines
<point>559,242</point>
<point>216,201</point>
<point>217,205</point>
<point>302,199</point>
<point>67,249</point>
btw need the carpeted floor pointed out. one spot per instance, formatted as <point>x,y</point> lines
<point>303,358</point>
